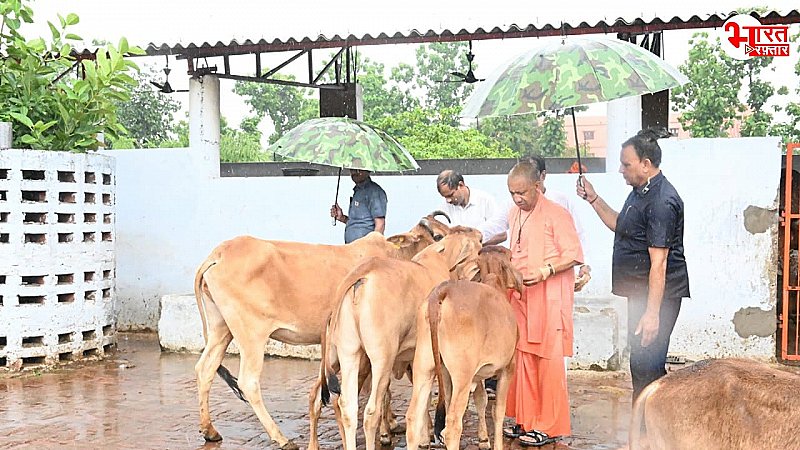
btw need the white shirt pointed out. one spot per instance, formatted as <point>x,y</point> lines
<point>482,212</point>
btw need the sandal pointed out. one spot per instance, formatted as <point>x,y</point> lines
<point>535,438</point>
<point>513,432</point>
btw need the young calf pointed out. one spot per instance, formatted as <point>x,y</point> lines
<point>470,329</point>
<point>719,404</point>
<point>373,324</point>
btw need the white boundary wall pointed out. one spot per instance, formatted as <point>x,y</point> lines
<point>56,256</point>
<point>171,214</point>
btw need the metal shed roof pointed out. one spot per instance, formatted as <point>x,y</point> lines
<point>466,28</point>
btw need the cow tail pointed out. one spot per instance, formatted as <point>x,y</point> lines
<point>223,372</point>
<point>198,293</point>
<point>635,435</point>
<point>324,366</point>
<point>435,300</point>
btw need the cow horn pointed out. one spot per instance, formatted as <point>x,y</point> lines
<point>441,213</point>
<point>424,223</point>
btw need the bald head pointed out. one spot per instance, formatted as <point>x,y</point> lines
<point>526,169</point>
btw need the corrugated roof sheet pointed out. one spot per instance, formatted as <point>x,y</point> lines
<point>465,28</point>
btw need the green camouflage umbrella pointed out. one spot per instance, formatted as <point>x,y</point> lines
<point>569,72</point>
<point>344,143</point>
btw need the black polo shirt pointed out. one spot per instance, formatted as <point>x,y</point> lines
<point>652,216</point>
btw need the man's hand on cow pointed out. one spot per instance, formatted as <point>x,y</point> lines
<point>530,280</point>
<point>584,275</point>
<point>648,328</point>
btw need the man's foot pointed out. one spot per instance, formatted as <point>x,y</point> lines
<point>513,432</point>
<point>535,438</point>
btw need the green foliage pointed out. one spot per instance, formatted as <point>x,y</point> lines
<point>147,115</point>
<point>430,135</point>
<point>286,106</point>
<point>380,98</point>
<point>710,100</point>
<point>790,129</point>
<point>518,133</point>
<point>49,107</point>
<point>552,138</point>
<point>434,63</point>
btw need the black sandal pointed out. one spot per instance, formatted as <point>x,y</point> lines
<point>535,438</point>
<point>513,432</point>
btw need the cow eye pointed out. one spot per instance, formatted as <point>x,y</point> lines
<point>438,237</point>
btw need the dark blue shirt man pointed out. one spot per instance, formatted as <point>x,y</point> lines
<point>367,210</point>
<point>648,264</point>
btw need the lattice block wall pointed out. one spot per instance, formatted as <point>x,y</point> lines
<point>56,257</point>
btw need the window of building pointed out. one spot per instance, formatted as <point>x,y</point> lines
<point>588,135</point>
<point>673,131</point>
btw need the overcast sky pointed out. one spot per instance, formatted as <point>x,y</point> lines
<point>186,21</point>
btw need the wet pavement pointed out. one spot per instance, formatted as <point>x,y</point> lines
<point>140,398</point>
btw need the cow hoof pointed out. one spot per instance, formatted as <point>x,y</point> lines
<point>289,445</point>
<point>397,428</point>
<point>483,444</point>
<point>211,435</point>
<point>386,440</point>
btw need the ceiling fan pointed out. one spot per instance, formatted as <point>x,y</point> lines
<point>166,88</point>
<point>469,77</point>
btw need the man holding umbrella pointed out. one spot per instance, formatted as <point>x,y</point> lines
<point>367,210</point>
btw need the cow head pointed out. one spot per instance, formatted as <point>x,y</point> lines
<point>494,263</point>
<point>430,226</point>
<point>424,233</point>
<point>459,249</point>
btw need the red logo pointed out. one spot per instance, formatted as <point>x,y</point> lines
<point>747,38</point>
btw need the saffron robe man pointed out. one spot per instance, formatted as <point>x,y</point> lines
<point>545,248</point>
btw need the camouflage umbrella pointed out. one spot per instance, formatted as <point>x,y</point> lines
<point>571,72</point>
<point>344,143</point>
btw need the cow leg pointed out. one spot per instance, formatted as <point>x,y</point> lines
<point>348,399</point>
<point>314,412</point>
<point>218,338</point>
<point>455,412</point>
<point>372,411</point>
<point>501,397</point>
<point>417,417</point>
<point>387,417</point>
<point>481,399</point>
<point>252,361</point>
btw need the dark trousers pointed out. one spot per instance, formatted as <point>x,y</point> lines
<point>648,363</point>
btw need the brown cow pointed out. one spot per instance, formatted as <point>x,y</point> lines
<point>375,320</point>
<point>251,290</point>
<point>469,328</point>
<point>719,404</point>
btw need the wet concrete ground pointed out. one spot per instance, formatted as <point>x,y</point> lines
<point>140,398</point>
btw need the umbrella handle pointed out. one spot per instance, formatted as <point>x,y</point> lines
<point>577,146</point>
<point>336,200</point>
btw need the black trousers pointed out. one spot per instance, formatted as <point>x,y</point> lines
<point>648,363</point>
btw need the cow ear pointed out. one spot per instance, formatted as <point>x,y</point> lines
<point>402,240</point>
<point>513,278</point>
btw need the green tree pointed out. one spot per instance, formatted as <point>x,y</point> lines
<point>789,130</point>
<point>148,114</point>
<point>48,106</point>
<point>552,138</point>
<point>710,101</point>
<point>286,106</point>
<point>429,135</point>
<point>382,98</point>
<point>519,133</point>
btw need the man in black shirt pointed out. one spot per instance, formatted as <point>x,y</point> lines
<point>648,265</point>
